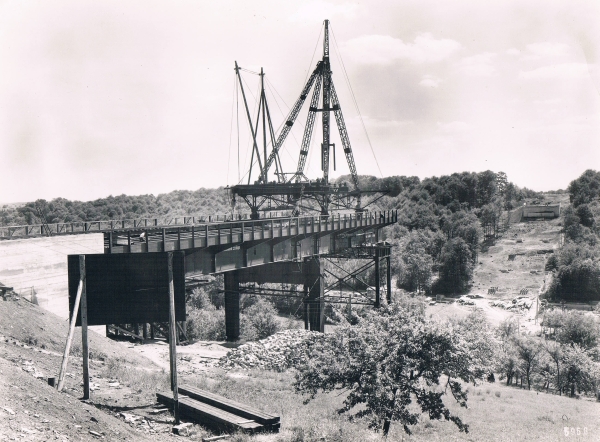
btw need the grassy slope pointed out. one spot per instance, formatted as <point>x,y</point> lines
<point>496,412</point>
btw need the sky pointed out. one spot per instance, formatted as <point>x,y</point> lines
<point>139,97</point>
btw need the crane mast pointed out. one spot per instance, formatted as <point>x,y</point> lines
<point>293,193</point>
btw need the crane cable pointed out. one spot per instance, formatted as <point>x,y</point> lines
<point>354,99</point>
<point>231,133</point>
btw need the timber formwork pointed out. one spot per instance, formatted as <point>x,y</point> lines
<point>279,250</point>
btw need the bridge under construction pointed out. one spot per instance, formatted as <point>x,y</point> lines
<point>256,252</point>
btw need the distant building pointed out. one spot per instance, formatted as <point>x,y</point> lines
<point>534,211</point>
<point>541,212</point>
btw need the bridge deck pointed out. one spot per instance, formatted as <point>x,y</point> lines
<point>164,239</point>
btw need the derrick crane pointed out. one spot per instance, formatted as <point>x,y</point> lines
<point>298,193</point>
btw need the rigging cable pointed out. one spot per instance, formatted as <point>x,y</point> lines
<point>231,131</point>
<point>272,88</point>
<point>237,111</point>
<point>337,52</point>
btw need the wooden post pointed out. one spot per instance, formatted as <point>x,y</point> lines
<point>389,280</point>
<point>377,281</point>
<point>63,367</point>
<point>84,332</point>
<point>172,339</point>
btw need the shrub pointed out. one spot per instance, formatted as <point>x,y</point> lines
<point>259,321</point>
<point>206,325</point>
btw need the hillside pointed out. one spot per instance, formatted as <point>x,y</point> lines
<point>31,345</point>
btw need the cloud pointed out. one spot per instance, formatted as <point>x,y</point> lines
<point>480,65</point>
<point>430,81</point>
<point>317,10</point>
<point>546,49</point>
<point>513,51</point>
<point>558,71</point>
<point>384,49</point>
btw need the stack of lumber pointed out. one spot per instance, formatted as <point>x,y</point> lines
<point>218,412</point>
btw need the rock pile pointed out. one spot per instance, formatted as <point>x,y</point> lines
<point>278,352</point>
<point>519,303</point>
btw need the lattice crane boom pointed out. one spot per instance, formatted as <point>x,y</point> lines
<point>339,118</point>
<point>291,119</point>
<point>308,129</point>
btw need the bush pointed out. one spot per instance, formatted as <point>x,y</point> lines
<point>259,321</point>
<point>206,325</point>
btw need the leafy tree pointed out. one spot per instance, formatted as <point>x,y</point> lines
<point>456,267</point>
<point>464,225</point>
<point>387,361</point>
<point>581,373</point>
<point>585,189</point>
<point>579,329</point>
<point>506,331</point>
<point>585,214</point>
<point>478,336</point>
<point>555,352</point>
<point>528,351</point>
<point>415,263</point>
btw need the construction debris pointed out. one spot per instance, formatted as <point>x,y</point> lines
<point>278,352</point>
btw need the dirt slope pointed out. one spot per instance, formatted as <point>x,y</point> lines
<point>124,383</point>
<point>516,261</point>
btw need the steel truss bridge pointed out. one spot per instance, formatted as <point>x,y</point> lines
<point>275,251</point>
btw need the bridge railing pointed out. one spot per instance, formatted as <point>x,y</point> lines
<point>78,227</point>
<point>175,237</point>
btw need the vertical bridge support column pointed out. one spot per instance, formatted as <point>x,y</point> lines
<point>314,310</point>
<point>232,305</point>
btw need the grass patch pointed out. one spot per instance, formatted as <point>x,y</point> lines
<point>138,379</point>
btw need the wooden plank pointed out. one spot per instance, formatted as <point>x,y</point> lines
<point>207,414</point>
<point>65,361</point>
<point>228,405</point>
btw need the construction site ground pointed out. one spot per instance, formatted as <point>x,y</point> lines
<point>508,267</point>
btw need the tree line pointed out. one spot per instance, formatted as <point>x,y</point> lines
<point>576,266</point>
<point>61,210</point>
<point>442,222</point>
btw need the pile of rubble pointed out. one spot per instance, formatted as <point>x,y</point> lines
<point>278,352</point>
<point>519,303</point>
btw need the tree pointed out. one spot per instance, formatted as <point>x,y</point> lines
<point>506,330</point>
<point>580,329</point>
<point>555,352</point>
<point>391,359</point>
<point>580,371</point>
<point>415,263</point>
<point>456,267</point>
<point>478,336</point>
<point>585,189</point>
<point>528,351</point>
